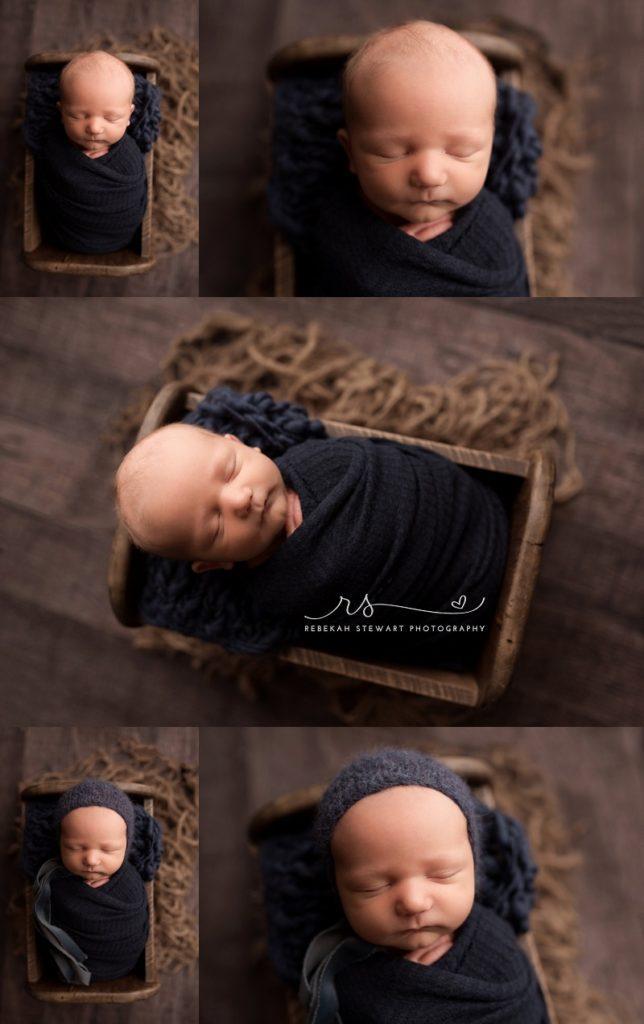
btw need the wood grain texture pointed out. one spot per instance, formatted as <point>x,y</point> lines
<point>28,752</point>
<point>582,651</point>
<point>607,255</point>
<point>42,26</point>
<point>596,774</point>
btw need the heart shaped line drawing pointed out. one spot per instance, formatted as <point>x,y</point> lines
<point>460,603</point>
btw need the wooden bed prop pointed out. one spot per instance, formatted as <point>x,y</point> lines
<point>40,255</point>
<point>42,981</point>
<point>532,480</point>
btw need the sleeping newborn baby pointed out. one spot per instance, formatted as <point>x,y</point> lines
<point>400,834</point>
<point>91,180</point>
<point>419,103</point>
<point>345,543</point>
<point>187,493</point>
<point>90,902</point>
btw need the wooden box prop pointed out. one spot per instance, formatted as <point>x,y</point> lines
<point>529,480</point>
<point>42,979</point>
<point>40,255</point>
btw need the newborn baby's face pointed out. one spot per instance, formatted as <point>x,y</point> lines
<point>93,841</point>
<point>404,869</point>
<point>95,107</point>
<point>421,136</point>
<point>205,498</point>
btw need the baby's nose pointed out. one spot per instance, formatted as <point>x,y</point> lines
<point>94,125</point>
<point>240,499</point>
<point>91,858</point>
<point>429,170</point>
<point>413,897</point>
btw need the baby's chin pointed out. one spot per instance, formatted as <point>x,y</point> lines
<point>427,213</point>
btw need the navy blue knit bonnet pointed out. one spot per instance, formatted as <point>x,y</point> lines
<point>384,769</point>
<point>97,793</point>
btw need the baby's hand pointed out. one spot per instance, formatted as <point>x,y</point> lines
<point>430,954</point>
<point>429,229</point>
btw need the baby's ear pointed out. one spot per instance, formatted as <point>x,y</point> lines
<point>343,139</point>
<point>207,566</point>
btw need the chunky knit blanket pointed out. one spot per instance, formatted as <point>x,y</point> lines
<point>87,205</point>
<point>485,978</point>
<point>300,899</point>
<point>109,924</point>
<point>423,541</point>
<point>350,250</point>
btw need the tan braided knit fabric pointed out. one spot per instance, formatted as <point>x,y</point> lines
<point>500,405</point>
<point>176,808</point>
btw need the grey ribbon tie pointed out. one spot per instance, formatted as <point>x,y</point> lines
<point>329,952</point>
<point>68,956</point>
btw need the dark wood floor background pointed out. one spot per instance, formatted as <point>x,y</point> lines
<point>237,40</point>
<point>596,774</point>
<point>70,662</point>
<point>41,25</point>
<point>25,753</point>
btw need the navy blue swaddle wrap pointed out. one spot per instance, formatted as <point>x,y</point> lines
<point>89,205</point>
<point>93,933</point>
<point>342,248</point>
<point>399,524</point>
<point>485,976</point>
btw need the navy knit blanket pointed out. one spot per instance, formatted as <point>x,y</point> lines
<point>40,840</point>
<point>109,923</point>
<point>414,534</point>
<point>350,250</point>
<point>90,205</point>
<point>300,899</point>
<point>307,160</point>
<point>484,977</point>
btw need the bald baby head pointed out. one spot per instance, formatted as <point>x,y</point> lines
<point>96,101</point>
<point>419,104</point>
<point>184,492</point>
<point>426,43</point>
<point>95,64</point>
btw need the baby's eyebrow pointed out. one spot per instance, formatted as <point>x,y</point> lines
<point>464,136</point>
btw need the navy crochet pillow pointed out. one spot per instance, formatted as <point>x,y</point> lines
<point>41,109</point>
<point>256,419</point>
<point>40,839</point>
<point>307,157</point>
<point>300,899</point>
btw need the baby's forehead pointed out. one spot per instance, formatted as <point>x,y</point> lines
<point>93,68</point>
<point>399,815</point>
<point>92,821</point>
<point>415,57</point>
